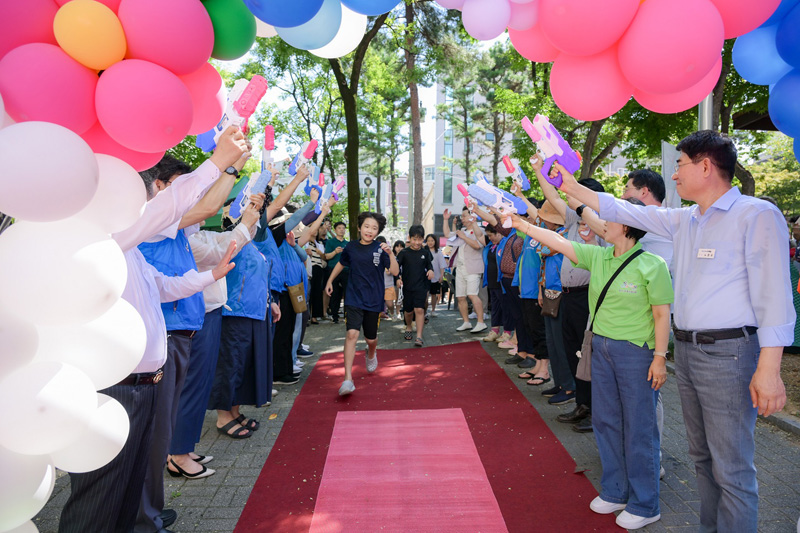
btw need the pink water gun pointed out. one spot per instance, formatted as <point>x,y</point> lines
<point>269,146</point>
<point>242,103</point>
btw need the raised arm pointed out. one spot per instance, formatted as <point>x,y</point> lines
<point>551,239</point>
<point>446,223</point>
<point>313,228</point>
<point>516,190</point>
<point>550,192</point>
<point>287,192</point>
<point>595,223</point>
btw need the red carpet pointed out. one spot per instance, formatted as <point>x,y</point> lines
<point>417,470</point>
<point>531,474</point>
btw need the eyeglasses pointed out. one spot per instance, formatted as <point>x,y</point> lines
<point>679,165</point>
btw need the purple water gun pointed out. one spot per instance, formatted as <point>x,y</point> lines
<point>553,146</point>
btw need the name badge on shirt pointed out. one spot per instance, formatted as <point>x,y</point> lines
<point>706,253</point>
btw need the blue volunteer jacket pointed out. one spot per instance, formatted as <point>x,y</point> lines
<point>248,285</point>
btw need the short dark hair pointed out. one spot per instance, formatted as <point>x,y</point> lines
<point>465,208</point>
<point>490,229</point>
<point>377,217</point>
<point>650,179</point>
<point>398,243</point>
<point>168,167</point>
<point>435,241</point>
<point>714,145</point>
<point>380,238</point>
<point>417,230</point>
<point>631,232</point>
<point>340,223</point>
<point>592,184</point>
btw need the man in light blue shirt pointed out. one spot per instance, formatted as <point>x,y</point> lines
<point>733,316</point>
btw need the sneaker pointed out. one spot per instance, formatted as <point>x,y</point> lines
<point>506,345</point>
<point>296,369</point>
<point>549,393</point>
<point>503,338</point>
<point>302,352</point>
<point>491,337</point>
<point>487,316</point>
<point>662,473</point>
<point>513,360</point>
<point>274,392</point>
<point>562,397</point>
<point>427,318</point>
<point>600,506</point>
<point>348,387</point>
<point>473,315</point>
<point>304,346</point>
<point>627,520</point>
<point>434,314</point>
<point>464,327</point>
<point>388,318</point>
<point>480,326</point>
<point>285,380</point>
<point>372,364</point>
<point>300,364</point>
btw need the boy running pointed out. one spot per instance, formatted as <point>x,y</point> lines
<point>416,266</point>
<point>367,260</point>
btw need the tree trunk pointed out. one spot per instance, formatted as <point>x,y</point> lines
<point>393,185</point>
<point>378,180</point>
<point>718,96</point>
<point>496,148</point>
<point>416,128</point>
<point>467,145</point>
<point>589,145</point>
<point>604,153</point>
<point>746,179</point>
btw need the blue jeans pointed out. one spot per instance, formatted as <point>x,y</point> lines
<point>558,357</point>
<point>624,421</point>
<point>713,382</point>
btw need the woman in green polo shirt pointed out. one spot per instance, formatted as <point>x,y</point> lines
<point>631,333</point>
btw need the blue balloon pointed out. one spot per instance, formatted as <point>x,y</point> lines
<point>284,13</point>
<point>784,104</point>
<point>797,149</point>
<point>783,8</point>
<point>371,7</point>
<point>318,31</point>
<point>787,39</point>
<point>756,58</point>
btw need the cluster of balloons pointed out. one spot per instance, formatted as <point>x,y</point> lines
<point>129,76</point>
<point>770,55</point>
<point>664,53</point>
<point>326,28</point>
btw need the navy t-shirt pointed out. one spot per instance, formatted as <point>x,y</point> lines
<point>365,286</point>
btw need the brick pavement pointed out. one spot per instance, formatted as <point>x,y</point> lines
<point>214,504</point>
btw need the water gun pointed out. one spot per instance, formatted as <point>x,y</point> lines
<point>269,146</point>
<point>315,180</point>
<point>463,190</point>
<point>254,186</point>
<point>302,158</point>
<point>242,103</point>
<point>503,201</point>
<point>331,189</point>
<point>553,146</point>
<point>517,174</point>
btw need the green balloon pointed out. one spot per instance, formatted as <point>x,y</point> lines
<point>234,28</point>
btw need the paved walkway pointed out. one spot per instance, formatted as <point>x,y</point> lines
<point>215,503</point>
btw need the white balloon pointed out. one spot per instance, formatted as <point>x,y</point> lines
<point>54,398</point>
<point>106,349</point>
<point>18,342</point>
<point>64,272</point>
<point>347,38</point>
<point>47,172</point>
<point>265,30</point>
<point>27,527</point>
<point>25,486</point>
<point>120,197</point>
<point>100,443</point>
<point>6,120</point>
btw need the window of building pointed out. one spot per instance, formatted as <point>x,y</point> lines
<point>489,136</point>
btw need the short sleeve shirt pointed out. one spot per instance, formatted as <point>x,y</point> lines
<point>331,245</point>
<point>414,267</point>
<point>367,264</point>
<point>625,313</point>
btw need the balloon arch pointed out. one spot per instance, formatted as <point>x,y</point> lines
<point>93,90</point>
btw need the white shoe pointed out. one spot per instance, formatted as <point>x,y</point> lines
<point>434,314</point>
<point>480,326</point>
<point>473,315</point>
<point>372,364</point>
<point>300,364</point>
<point>491,337</point>
<point>464,327</point>
<point>662,473</point>
<point>296,369</point>
<point>600,506</point>
<point>305,347</point>
<point>274,392</point>
<point>502,338</point>
<point>347,388</point>
<point>631,521</point>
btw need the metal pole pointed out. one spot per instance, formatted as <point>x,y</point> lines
<point>705,119</point>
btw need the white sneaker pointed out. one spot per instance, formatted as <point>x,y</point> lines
<point>434,314</point>
<point>480,326</point>
<point>464,327</point>
<point>296,369</point>
<point>662,473</point>
<point>600,506</point>
<point>372,364</point>
<point>631,521</point>
<point>473,315</point>
<point>274,392</point>
<point>347,388</point>
<point>300,364</point>
<point>304,346</point>
<point>487,316</point>
<point>502,338</point>
<point>491,337</point>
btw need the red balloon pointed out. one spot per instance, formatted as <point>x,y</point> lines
<point>682,100</point>
<point>143,106</point>
<point>671,45</point>
<point>100,143</point>
<point>589,87</point>
<point>208,97</point>
<point>26,22</point>
<point>41,82</point>
<point>743,16</point>
<point>585,27</point>
<point>532,44</point>
<point>177,34</point>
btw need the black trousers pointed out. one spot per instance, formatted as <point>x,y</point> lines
<point>339,290</point>
<point>575,306</point>
<point>319,277</point>
<point>284,334</point>
<point>533,323</point>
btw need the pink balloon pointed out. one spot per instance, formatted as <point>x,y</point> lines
<point>451,4</point>
<point>524,16</point>
<point>112,4</point>
<point>743,16</point>
<point>533,45</point>
<point>26,22</point>
<point>485,19</point>
<point>41,82</point>
<point>682,100</point>
<point>143,106</point>
<point>100,143</point>
<point>176,35</point>
<point>585,27</point>
<point>589,87</point>
<point>671,45</point>
<point>208,97</point>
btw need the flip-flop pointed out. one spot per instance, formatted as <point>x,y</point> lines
<point>248,423</point>
<point>526,375</point>
<point>407,335</point>
<point>537,381</point>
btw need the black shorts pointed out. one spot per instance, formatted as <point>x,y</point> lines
<point>436,287</point>
<point>356,318</point>
<point>416,298</point>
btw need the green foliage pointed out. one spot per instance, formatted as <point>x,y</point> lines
<point>778,174</point>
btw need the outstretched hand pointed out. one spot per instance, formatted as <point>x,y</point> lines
<point>224,266</point>
<point>568,180</point>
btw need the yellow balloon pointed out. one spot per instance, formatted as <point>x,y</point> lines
<point>90,33</point>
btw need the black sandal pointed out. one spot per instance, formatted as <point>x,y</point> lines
<point>407,335</point>
<point>248,423</point>
<point>241,433</point>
